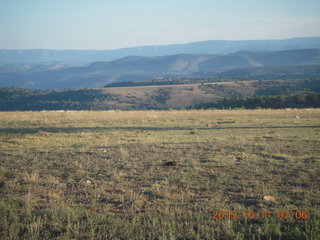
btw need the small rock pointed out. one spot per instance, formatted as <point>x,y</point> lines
<point>269,198</point>
<point>172,163</point>
<point>88,182</point>
<point>193,131</point>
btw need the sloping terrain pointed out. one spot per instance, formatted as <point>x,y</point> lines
<point>283,72</point>
<point>133,68</point>
<point>148,97</point>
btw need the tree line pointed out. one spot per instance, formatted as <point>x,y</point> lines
<point>306,100</point>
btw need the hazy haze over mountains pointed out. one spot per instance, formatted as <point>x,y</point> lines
<point>204,47</point>
<point>157,43</point>
<point>135,68</point>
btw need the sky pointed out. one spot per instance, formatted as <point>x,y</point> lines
<point>113,24</point>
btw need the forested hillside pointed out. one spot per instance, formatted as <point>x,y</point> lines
<point>219,94</point>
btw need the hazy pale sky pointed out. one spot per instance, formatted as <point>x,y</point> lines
<point>110,24</point>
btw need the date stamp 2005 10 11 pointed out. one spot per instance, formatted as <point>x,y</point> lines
<point>296,214</point>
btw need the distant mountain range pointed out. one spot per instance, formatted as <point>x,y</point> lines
<point>134,68</point>
<point>204,47</point>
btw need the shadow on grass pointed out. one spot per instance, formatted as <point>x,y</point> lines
<point>101,129</point>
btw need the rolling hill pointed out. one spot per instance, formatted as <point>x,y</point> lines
<point>204,47</point>
<point>134,68</point>
<point>152,97</point>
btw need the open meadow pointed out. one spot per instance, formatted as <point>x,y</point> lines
<point>104,174</point>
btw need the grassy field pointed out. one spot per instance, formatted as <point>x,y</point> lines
<point>102,175</point>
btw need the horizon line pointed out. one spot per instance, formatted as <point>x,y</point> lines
<point>151,45</point>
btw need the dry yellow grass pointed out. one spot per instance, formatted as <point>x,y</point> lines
<point>86,174</point>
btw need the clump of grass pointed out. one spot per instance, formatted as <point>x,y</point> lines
<point>31,177</point>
